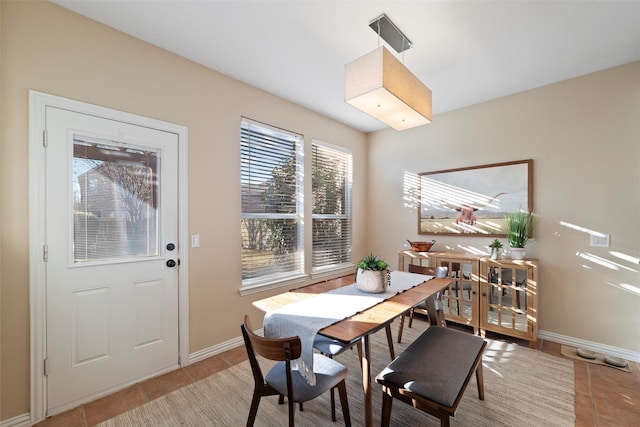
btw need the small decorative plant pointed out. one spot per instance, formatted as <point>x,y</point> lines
<point>372,274</point>
<point>496,244</point>
<point>372,262</point>
<point>519,227</point>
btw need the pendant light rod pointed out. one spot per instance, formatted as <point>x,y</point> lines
<point>390,33</point>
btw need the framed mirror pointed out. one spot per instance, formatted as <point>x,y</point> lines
<point>473,201</point>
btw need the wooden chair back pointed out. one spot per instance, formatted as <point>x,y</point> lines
<point>422,309</point>
<point>429,271</point>
<point>284,349</point>
<point>278,349</point>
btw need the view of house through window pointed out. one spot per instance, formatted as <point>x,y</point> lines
<point>272,203</point>
<point>331,217</point>
<point>115,189</point>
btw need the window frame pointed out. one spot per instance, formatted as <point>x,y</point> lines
<point>348,209</point>
<point>298,274</point>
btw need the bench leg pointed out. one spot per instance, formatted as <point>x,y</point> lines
<point>387,402</point>
<point>480,381</point>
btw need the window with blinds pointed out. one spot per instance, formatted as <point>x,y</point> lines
<point>115,201</point>
<point>331,212</point>
<point>272,203</point>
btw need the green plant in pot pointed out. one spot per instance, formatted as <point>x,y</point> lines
<point>372,274</point>
<point>519,228</point>
<point>495,246</point>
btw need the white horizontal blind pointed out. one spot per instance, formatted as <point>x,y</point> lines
<point>331,212</point>
<point>272,203</point>
<point>115,201</point>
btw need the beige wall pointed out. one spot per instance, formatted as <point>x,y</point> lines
<point>583,135</point>
<point>50,49</point>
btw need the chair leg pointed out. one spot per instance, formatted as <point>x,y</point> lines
<point>280,399</point>
<point>291,413</point>
<point>387,402</point>
<point>344,403</point>
<point>333,397</point>
<point>400,328</point>
<point>333,404</point>
<point>255,402</point>
<point>390,341</point>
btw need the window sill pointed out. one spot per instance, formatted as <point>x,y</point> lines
<point>333,272</point>
<point>280,283</point>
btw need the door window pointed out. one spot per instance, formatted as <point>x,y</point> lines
<point>115,198</point>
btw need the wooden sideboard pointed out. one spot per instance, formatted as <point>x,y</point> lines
<point>488,295</point>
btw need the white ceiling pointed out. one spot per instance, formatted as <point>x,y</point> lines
<point>466,51</point>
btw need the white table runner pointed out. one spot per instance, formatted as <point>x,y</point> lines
<point>305,318</point>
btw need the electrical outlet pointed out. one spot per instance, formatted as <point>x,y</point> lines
<point>599,240</point>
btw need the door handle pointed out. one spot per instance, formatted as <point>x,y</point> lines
<point>171,263</point>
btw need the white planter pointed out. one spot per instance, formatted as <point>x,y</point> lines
<point>517,253</point>
<point>372,281</point>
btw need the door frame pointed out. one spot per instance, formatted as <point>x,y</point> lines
<point>38,102</point>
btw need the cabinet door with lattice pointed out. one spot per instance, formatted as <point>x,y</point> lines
<point>460,299</point>
<point>509,298</point>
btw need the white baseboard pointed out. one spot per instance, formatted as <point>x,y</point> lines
<point>590,345</point>
<point>23,420</point>
<point>217,349</point>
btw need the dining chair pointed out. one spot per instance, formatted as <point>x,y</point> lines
<point>282,380</point>
<point>422,307</point>
<point>456,273</point>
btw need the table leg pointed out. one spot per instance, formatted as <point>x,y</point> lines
<point>366,382</point>
<point>434,313</point>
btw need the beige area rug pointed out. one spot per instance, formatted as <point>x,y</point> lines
<point>571,352</point>
<point>523,387</point>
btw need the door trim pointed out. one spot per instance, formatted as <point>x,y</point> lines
<point>38,101</point>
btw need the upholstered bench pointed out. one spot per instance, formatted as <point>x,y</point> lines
<point>433,372</point>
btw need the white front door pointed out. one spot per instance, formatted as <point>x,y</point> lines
<point>111,255</point>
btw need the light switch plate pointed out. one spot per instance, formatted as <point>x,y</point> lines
<point>599,240</point>
<point>195,240</point>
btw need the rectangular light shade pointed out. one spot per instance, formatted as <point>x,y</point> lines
<point>381,86</point>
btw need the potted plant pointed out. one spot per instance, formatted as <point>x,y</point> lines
<point>519,228</point>
<point>495,246</point>
<point>372,274</point>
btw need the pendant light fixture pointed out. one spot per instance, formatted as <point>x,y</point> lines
<point>381,86</point>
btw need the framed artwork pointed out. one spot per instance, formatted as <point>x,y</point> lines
<point>473,201</point>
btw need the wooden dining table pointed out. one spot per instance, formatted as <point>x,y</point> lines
<point>361,325</point>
